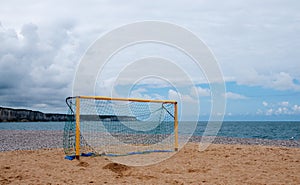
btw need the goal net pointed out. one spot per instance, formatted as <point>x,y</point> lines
<point>120,126</point>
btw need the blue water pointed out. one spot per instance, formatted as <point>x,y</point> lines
<point>32,125</point>
<point>283,130</point>
<point>244,129</point>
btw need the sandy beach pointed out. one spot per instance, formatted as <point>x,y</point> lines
<point>219,164</point>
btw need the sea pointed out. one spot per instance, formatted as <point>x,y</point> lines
<point>273,130</point>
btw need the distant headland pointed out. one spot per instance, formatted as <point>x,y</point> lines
<point>25,115</point>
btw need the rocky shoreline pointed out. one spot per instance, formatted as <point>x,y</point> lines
<point>32,140</point>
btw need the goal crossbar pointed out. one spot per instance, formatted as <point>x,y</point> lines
<point>124,99</point>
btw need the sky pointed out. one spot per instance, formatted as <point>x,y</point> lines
<point>256,44</point>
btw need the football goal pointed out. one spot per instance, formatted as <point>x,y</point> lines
<point>120,126</point>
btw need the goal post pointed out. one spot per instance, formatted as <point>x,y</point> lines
<point>77,119</point>
<point>120,126</point>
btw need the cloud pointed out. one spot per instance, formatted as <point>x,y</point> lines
<point>277,81</point>
<point>284,103</point>
<point>141,93</point>
<point>34,68</point>
<point>269,112</point>
<point>173,95</point>
<point>280,108</point>
<point>179,97</point>
<point>296,109</point>
<point>201,91</point>
<point>265,104</point>
<point>235,96</point>
<point>259,43</point>
<point>284,81</point>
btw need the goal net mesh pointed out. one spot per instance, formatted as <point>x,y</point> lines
<point>119,127</point>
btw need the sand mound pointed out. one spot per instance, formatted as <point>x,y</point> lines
<point>117,168</point>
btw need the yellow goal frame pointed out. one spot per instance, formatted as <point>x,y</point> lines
<point>77,116</point>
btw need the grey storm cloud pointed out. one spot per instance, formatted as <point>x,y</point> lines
<point>36,68</point>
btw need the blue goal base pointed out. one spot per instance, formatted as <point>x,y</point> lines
<point>71,157</point>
